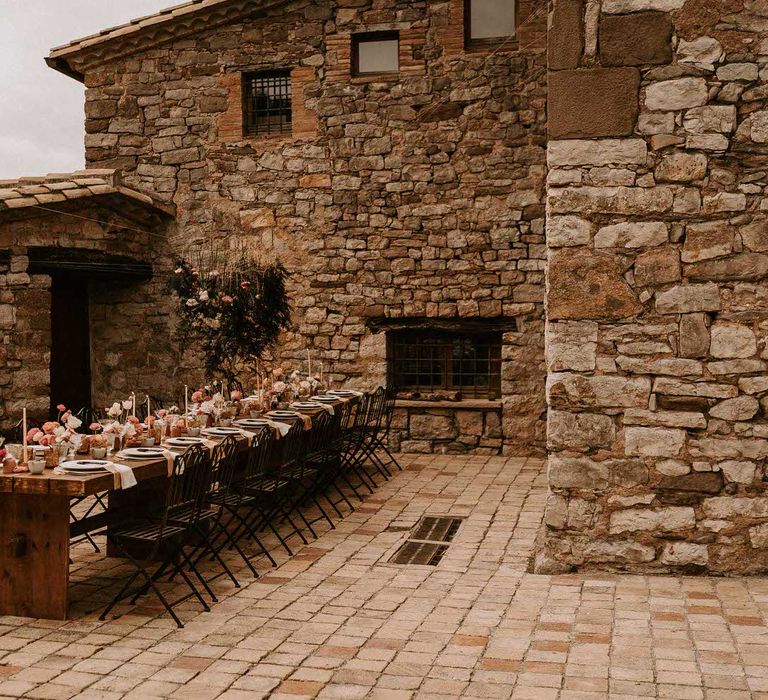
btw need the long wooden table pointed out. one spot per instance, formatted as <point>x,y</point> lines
<point>35,534</point>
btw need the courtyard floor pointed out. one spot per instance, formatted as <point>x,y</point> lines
<point>338,621</point>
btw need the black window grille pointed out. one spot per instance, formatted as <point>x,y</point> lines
<point>441,361</point>
<point>267,102</point>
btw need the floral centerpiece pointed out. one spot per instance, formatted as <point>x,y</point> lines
<point>232,309</point>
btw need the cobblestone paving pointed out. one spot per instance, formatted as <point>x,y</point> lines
<point>337,621</point>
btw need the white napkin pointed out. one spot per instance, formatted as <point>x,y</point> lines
<point>123,474</point>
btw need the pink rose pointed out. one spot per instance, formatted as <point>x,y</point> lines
<point>197,396</point>
<point>134,420</point>
<point>227,299</point>
<point>33,433</point>
<point>94,426</point>
<point>50,427</point>
<point>162,413</point>
<point>236,395</point>
<point>61,407</point>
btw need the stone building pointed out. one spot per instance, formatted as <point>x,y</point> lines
<point>395,155</point>
<point>390,155</point>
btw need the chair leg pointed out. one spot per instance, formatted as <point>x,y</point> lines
<point>119,596</point>
<point>237,548</point>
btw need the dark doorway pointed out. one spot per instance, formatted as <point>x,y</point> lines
<point>70,343</point>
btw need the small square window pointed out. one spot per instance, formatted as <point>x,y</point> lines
<point>489,21</point>
<point>267,103</point>
<point>375,52</point>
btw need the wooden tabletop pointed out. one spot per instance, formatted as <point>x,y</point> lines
<point>74,485</point>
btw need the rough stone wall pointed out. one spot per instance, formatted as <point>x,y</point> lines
<point>657,322</point>
<point>131,320</point>
<point>417,196</point>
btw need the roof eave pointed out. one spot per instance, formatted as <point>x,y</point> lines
<point>62,65</point>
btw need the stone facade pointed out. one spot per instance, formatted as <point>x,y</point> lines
<point>657,347</point>
<point>94,219</point>
<point>412,196</point>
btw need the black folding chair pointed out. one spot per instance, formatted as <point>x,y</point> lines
<point>270,487</point>
<point>161,539</point>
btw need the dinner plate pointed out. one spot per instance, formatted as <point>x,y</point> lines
<point>324,399</point>
<point>252,422</point>
<point>184,441</point>
<point>342,392</point>
<point>141,452</point>
<point>283,414</point>
<point>306,404</point>
<point>85,466</point>
<point>221,431</point>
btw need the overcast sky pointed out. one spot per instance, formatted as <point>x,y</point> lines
<point>41,110</point>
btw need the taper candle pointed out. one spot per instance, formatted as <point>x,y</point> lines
<point>24,439</point>
<point>309,364</point>
<point>186,399</point>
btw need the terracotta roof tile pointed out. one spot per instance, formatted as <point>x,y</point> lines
<point>60,187</point>
<point>160,26</point>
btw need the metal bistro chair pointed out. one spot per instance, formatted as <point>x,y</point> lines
<point>205,522</point>
<point>354,456</point>
<point>376,430</point>
<point>271,489</point>
<point>163,540</point>
<point>239,504</point>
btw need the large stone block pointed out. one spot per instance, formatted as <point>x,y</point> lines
<point>653,442</point>
<point>566,34</point>
<point>640,234</point>
<point>679,166</point>
<point>593,103</point>
<point>625,551</point>
<point>573,152</point>
<point>583,285</point>
<point>563,231</point>
<point>636,39</point>
<point>684,554</point>
<point>713,239</point>
<point>643,201</point>
<point>689,298</point>
<point>745,267</point>
<point>571,345</point>
<point>731,340</point>
<point>672,519</point>
<point>593,475</point>
<point>678,94</point>
<point>657,267</point>
<point>432,426</point>
<point>694,335</point>
<point>567,390</point>
<point>579,431</point>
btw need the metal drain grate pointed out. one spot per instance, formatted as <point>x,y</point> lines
<point>433,529</point>
<point>420,553</point>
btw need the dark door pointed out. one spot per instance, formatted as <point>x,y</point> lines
<point>70,343</point>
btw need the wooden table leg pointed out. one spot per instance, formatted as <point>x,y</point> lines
<point>34,555</point>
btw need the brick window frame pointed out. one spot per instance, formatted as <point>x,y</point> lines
<point>531,33</point>
<point>361,37</point>
<point>271,118</point>
<point>339,54</point>
<point>491,43</point>
<point>231,122</point>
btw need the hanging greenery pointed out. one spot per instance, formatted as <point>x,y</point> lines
<point>232,310</point>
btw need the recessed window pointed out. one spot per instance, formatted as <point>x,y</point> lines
<point>267,102</point>
<point>376,52</point>
<point>428,361</point>
<point>489,21</point>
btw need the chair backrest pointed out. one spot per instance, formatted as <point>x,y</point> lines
<point>189,481</point>
<point>376,408</point>
<point>319,437</point>
<point>223,464</point>
<point>260,451</point>
<point>292,446</point>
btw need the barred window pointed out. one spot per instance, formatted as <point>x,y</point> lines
<point>489,21</point>
<point>267,102</point>
<point>428,361</point>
